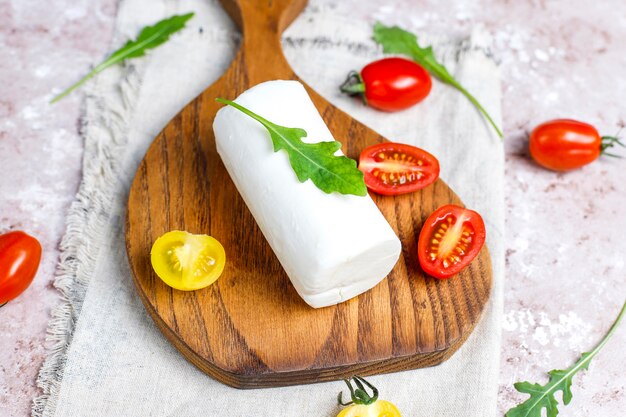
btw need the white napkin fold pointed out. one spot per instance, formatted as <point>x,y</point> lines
<point>109,358</point>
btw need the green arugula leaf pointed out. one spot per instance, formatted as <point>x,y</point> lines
<point>314,161</point>
<point>150,37</point>
<point>542,396</point>
<point>396,40</point>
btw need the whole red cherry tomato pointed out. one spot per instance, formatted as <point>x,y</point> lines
<point>389,84</point>
<point>564,144</point>
<point>19,260</point>
<point>395,168</point>
<point>450,239</point>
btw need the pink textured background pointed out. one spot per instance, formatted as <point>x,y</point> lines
<point>565,232</point>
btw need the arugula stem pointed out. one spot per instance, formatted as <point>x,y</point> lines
<point>243,110</point>
<point>150,37</point>
<point>583,361</point>
<point>75,86</point>
<point>609,334</point>
<point>479,107</point>
<point>111,60</point>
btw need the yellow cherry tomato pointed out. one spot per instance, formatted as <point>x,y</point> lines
<point>380,408</point>
<point>186,261</point>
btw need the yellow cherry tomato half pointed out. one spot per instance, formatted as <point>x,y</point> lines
<point>380,408</point>
<point>186,261</point>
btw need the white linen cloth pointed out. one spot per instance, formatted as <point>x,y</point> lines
<point>109,358</point>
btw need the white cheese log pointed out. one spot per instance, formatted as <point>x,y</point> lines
<point>333,247</point>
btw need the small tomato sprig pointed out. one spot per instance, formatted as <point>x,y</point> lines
<point>364,404</point>
<point>607,142</point>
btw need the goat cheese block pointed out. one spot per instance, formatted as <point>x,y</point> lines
<point>333,247</point>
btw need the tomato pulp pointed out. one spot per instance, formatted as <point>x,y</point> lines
<point>395,168</point>
<point>390,84</point>
<point>450,239</point>
<point>186,261</point>
<point>20,255</point>
<point>564,144</point>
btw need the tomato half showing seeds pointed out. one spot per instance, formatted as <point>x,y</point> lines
<point>187,262</point>
<point>390,84</point>
<point>395,168</point>
<point>20,255</point>
<point>450,239</point>
<point>564,144</point>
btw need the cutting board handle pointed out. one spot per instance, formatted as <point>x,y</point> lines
<point>271,16</point>
<point>260,56</point>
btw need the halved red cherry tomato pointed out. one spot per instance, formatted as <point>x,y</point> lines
<point>564,144</point>
<point>19,260</point>
<point>450,239</point>
<point>395,168</point>
<point>390,84</point>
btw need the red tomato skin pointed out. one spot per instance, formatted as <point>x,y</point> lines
<point>20,255</point>
<point>564,144</point>
<point>437,270</point>
<point>393,84</point>
<point>373,183</point>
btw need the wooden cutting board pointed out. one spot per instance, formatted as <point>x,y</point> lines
<point>251,329</point>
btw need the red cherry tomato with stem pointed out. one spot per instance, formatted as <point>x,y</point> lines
<point>564,144</point>
<point>395,168</point>
<point>20,255</point>
<point>389,84</point>
<point>450,239</point>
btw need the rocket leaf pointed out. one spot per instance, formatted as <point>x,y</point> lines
<point>542,396</point>
<point>150,37</point>
<point>314,161</point>
<point>396,40</point>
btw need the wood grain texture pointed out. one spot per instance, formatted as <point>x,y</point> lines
<point>251,329</point>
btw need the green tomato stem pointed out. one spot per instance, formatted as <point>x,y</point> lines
<point>354,86</point>
<point>359,395</point>
<point>609,142</point>
<point>353,89</point>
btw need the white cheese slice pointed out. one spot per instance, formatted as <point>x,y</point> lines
<point>333,247</point>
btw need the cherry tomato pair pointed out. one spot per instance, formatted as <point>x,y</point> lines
<point>564,144</point>
<point>20,255</point>
<point>452,236</point>
<point>389,84</point>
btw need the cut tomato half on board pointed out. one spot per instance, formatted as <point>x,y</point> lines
<point>450,239</point>
<point>187,262</point>
<point>396,168</point>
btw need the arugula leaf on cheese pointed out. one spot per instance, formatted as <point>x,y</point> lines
<point>314,161</point>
